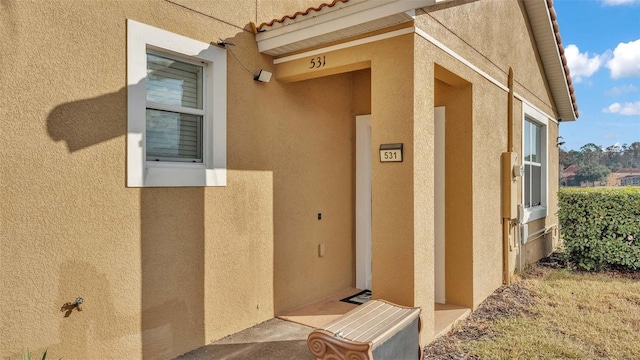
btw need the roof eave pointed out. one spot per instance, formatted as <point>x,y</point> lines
<point>283,39</point>
<point>549,48</point>
<point>342,21</point>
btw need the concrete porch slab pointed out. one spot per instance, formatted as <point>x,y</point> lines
<point>274,339</point>
<point>323,311</point>
<point>447,315</point>
<point>278,339</point>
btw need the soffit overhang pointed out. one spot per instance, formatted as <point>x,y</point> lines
<point>542,18</point>
<point>342,19</point>
<point>333,22</point>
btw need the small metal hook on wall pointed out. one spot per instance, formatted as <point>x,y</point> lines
<point>68,307</point>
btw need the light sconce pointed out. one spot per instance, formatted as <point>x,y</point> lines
<point>263,76</point>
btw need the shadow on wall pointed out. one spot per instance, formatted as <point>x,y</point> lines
<point>88,122</point>
<point>172,271</point>
<point>171,243</point>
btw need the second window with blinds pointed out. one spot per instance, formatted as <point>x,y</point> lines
<point>175,110</point>
<point>176,117</point>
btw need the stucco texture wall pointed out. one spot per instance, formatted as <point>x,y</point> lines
<point>165,270</point>
<point>492,35</point>
<point>161,270</point>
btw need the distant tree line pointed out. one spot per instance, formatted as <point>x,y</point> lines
<point>595,162</point>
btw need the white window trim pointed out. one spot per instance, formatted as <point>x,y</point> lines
<point>213,170</point>
<point>537,212</point>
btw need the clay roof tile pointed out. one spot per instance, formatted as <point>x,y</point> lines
<point>300,13</point>
<point>556,28</point>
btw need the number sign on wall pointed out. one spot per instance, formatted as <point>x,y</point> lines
<point>318,62</point>
<point>391,152</point>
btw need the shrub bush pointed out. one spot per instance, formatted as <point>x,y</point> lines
<point>601,227</point>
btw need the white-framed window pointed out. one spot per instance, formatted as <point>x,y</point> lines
<point>176,110</point>
<point>535,154</point>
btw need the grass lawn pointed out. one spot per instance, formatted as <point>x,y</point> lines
<point>551,314</point>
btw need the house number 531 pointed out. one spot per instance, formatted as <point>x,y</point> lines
<point>318,62</point>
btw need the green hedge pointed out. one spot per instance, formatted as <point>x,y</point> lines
<point>601,227</point>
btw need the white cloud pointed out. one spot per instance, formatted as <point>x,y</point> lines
<point>620,2</point>
<point>613,108</point>
<point>623,109</point>
<point>582,65</point>
<point>626,60</point>
<point>620,90</point>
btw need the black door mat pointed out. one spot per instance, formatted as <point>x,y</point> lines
<point>359,298</point>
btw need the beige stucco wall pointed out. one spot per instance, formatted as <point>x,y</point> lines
<point>477,31</point>
<point>493,35</point>
<point>320,181</point>
<point>163,270</point>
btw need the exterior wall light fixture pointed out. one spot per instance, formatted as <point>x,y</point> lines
<point>263,76</point>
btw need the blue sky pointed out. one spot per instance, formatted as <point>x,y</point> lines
<point>602,45</point>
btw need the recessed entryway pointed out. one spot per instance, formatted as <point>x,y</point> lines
<point>453,189</point>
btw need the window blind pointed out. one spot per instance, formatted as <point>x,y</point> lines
<point>174,110</point>
<point>173,136</point>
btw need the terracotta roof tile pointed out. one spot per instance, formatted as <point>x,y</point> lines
<point>563,58</point>
<point>300,13</point>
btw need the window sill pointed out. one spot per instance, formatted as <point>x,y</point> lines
<point>535,213</point>
<point>179,175</point>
